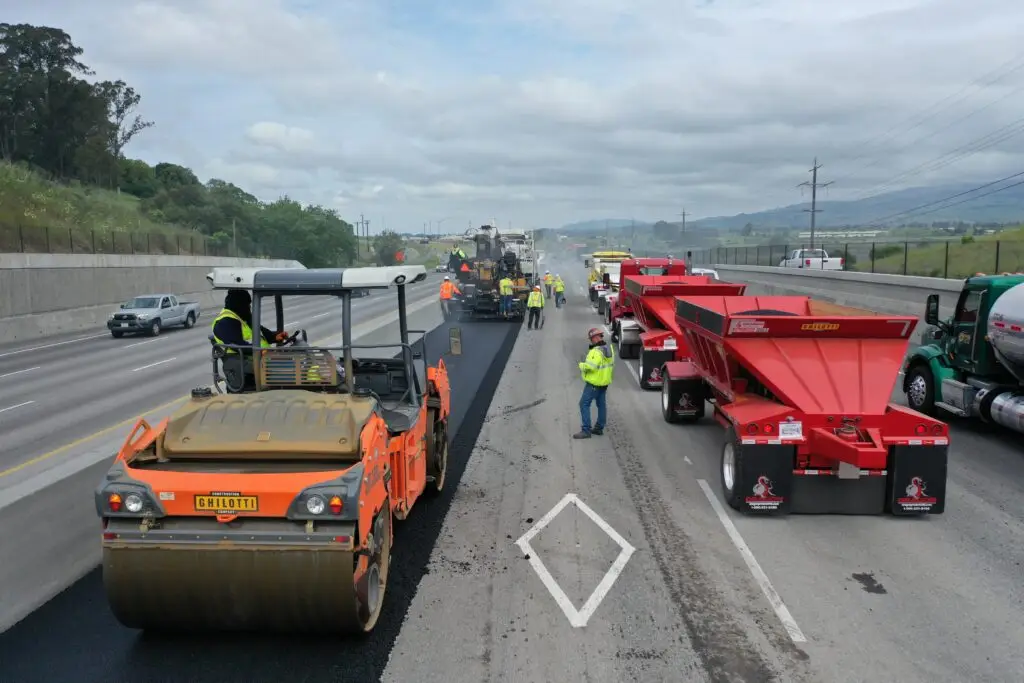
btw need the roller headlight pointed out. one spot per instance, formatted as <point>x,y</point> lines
<point>315,505</point>
<point>133,503</point>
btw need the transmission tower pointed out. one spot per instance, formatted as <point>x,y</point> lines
<point>814,185</point>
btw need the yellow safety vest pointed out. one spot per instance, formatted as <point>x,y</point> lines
<point>548,279</point>
<point>505,287</point>
<point>559,285</point>
<point>246,330</point>
<point>599,366</point>
<point>536,300</point>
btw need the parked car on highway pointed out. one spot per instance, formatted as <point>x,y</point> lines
<point>151,313</point>
<point>814,259</point>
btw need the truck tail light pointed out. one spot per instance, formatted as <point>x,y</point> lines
<point>807,262</point>
<point>842,262</point>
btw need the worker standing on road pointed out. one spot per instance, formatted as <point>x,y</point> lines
<point>232,326</point>
<point>597,370</point>
<point>448,290</point>
<point>505,290</point>
<point>559,291</point>
<point>535,304</point>
<point>548,281</point>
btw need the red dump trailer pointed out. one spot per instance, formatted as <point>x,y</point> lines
<point>802,388</point>
<point>619,306</point>
<point>653,335</point>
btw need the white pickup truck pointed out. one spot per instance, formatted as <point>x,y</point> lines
<point>814,259</point>
<point>151,313</point>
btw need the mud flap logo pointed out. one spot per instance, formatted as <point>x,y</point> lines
<point>917,498</point>
<point>686,406</point>
<point>655,377</point>
<point>764,498</point>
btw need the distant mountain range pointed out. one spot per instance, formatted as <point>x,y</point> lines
<point>1001,207</point>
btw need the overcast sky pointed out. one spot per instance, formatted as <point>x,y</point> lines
<point>543,112</point>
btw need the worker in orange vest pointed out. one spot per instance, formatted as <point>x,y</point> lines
<point>448,290</point>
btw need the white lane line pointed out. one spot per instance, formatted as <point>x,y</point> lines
<point>578,618</point>
<point>26,403</point>
<point>153,365</point>
<point>50,346</point>
<point>18,372</point>
<point>781,611</point>
<point>148,341</point>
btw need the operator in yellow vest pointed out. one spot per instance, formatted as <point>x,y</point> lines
<point>232,326</point>
<point>559,291</point>
<point>535,305</point>
<point>597,370</point>
<point>505,290</point>
<point>548,281</point>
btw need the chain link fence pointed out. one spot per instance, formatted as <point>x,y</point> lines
<point>930,258</point>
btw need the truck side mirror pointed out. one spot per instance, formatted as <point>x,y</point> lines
<point>586,263</point>
<point>931,310</point>
<point>455,341</point>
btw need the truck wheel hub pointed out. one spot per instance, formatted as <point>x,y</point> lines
<point>729,466</point>
<point>917,390</point>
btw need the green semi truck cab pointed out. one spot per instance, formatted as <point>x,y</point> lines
<point>972,364</point>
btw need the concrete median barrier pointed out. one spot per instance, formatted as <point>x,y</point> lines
<point>49,294</point>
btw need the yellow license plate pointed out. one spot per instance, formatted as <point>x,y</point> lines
<point>226,503</point>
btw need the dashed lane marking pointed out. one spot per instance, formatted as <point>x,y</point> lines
<point>578,618</point>
<point>19,405</point>
<point>19,372</point>
<point>153,365</point>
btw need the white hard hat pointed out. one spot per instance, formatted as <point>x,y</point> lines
<point>447,278</point>
<point>546,272</point>
<point>556,274</point>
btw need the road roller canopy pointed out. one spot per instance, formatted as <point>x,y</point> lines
<point>293,281</point>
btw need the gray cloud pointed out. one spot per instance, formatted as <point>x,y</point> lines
<point>547,111</point>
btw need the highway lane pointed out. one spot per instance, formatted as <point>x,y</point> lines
<point>868,598</point>
<point>55,394</point>
<point>75,638</point>
<point>935,599</point>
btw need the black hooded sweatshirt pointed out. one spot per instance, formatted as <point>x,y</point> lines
<point>228,330</point>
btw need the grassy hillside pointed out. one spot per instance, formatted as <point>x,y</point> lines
<point>37,215</point>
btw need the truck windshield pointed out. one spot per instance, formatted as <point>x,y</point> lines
<point>813,253</point>
<point>144,302</point>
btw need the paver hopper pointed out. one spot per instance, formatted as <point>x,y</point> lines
<point>652,335</point>
<point>802,388</point>
<point>270,507</point>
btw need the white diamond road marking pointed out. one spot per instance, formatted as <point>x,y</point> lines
<point>578,618</point>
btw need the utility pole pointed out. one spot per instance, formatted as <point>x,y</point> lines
<point>814,185</point>
<point>682,229</point>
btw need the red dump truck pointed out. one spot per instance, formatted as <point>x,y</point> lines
<point>653,335</point>
<point>620,307</point>
<point>802,388</point>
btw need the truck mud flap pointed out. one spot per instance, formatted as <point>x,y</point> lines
<point>917,480</point>
<point>827,494</point>
<point>682,393</point>
<point>649,369</point>
<point>764,479</point>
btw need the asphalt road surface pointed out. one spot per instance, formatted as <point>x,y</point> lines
<point>74,637</point>
<point>608,559</point>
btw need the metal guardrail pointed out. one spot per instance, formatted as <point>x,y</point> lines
<point>929,258</point>
<point>104,241</point>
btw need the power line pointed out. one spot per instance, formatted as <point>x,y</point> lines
<point>924,116</point>
<point>814,185</point>
<point>955,196</point>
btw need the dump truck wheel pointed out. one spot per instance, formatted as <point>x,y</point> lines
<point>370,589</point>
<point>732,469</point>
<point>437,455</point>
<point>666,402</point>
<point>921,389</point>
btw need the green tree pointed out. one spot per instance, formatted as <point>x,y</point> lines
<point>386,245</point>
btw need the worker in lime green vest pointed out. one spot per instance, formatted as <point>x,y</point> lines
<point>535,305</point>
<point>597,370</point>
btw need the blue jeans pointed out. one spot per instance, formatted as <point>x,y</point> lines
<point>593,394</point>
<point>559,299</point>
<point>506,303</point>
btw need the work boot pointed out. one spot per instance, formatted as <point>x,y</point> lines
<point>597,431</point>
<point>581,435</point>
